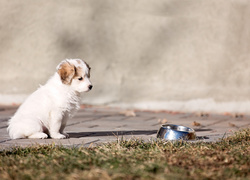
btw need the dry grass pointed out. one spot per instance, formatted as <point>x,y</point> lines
<point>133,159</point>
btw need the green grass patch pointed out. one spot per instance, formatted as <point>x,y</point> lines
<point>132,159</point>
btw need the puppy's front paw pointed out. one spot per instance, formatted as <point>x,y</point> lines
<point>58,136</point>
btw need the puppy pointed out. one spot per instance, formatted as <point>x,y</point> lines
<point>46,111</point>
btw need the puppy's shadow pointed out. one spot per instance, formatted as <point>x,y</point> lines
<point>121,133</point>
<point>111,133</point>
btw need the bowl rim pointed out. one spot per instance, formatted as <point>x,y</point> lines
<point>178,128</point>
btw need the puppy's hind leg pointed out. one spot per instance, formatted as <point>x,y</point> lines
<point>38,135</point>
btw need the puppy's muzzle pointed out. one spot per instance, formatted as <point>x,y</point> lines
<point>90,87</point>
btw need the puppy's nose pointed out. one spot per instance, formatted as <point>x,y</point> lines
<point>90,87</point>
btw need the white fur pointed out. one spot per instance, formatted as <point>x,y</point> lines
<point>46,111</point>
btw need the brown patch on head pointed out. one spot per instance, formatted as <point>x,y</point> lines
<point>66,71</point>
<point>79,61</point>
<point>78,72</point>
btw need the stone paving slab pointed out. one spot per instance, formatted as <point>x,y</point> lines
<point>95,125</point>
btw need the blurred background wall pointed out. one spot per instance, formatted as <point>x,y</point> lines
<point>173,55</point>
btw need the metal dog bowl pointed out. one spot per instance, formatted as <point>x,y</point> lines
<point>175,132</point>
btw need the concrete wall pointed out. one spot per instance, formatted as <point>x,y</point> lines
<point>164,54</point>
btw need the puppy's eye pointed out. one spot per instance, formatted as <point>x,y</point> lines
<point>80,78</point>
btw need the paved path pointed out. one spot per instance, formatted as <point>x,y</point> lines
<point>95,125</point>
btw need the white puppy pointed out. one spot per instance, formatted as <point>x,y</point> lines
<point>46,111</point>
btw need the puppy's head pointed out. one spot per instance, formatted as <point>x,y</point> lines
<point>75,73</point>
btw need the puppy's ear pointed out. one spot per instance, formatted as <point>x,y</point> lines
<point>66,71</point>
<point>88,70</point>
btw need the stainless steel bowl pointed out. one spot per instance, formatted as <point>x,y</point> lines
<point>175,132</point>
